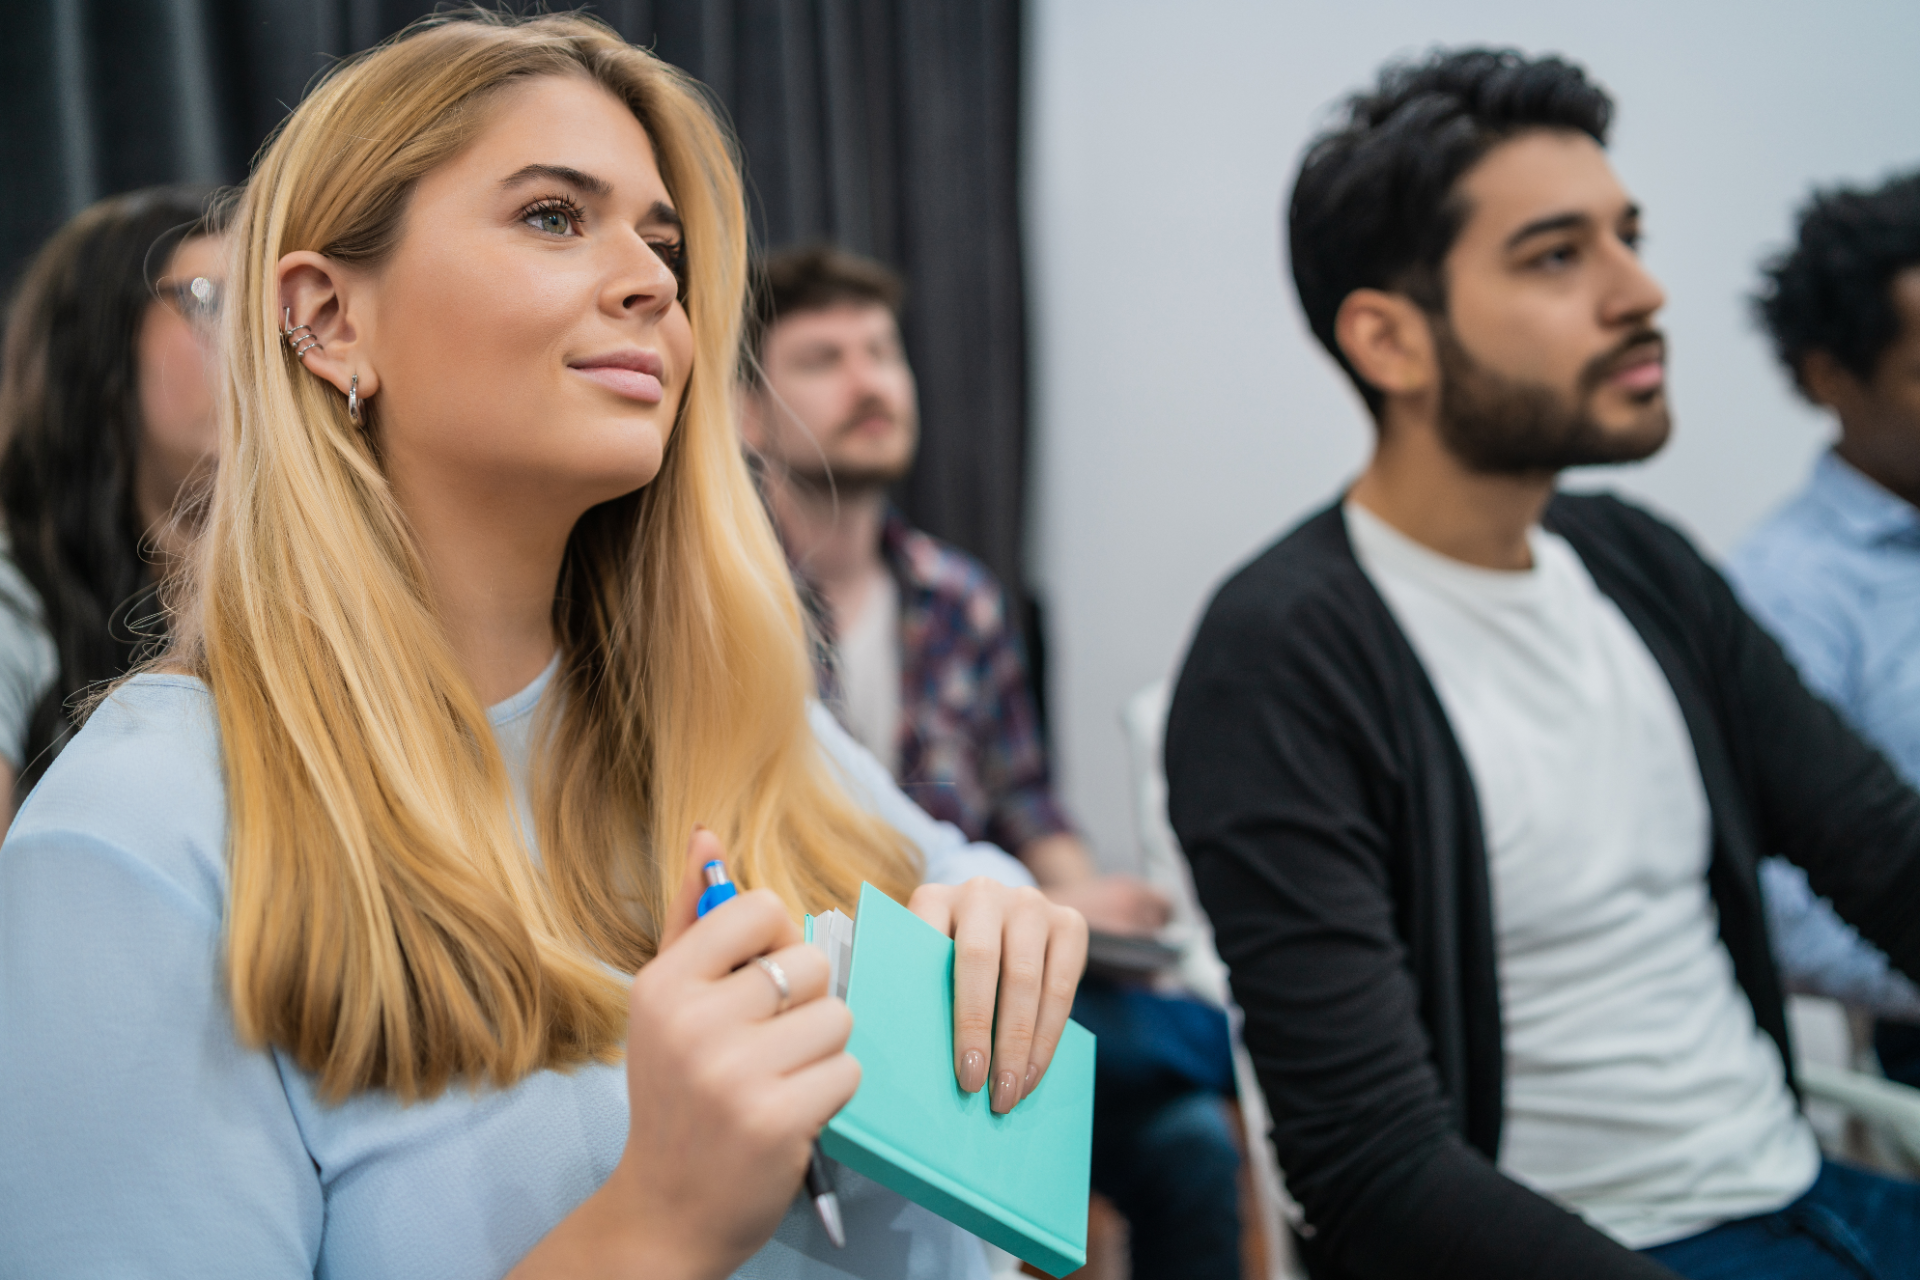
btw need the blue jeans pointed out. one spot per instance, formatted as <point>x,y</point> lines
<point>1163,1151</point>
<point>1851,1225</point>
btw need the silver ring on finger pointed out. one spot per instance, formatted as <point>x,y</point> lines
<point>778,977</point>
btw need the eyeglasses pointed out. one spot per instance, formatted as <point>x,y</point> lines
<point>197,300</point>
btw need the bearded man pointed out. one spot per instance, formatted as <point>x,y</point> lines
<point>924,668</point>
<point>1475,776</point>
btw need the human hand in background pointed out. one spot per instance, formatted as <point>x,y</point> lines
<point>1017,962</point>
<point>1120,904</point>
<point>727,1092</point>
<point>1067,873</point>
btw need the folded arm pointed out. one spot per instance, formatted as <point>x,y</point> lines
<point>1824,798</point>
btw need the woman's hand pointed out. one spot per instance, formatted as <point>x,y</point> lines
<point>1017,961</point>
<point>726,1095</point>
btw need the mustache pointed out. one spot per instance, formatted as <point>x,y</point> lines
<point>1632,349</point>
<point>871,407</point>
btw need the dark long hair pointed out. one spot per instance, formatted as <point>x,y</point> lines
<point>70,434</point>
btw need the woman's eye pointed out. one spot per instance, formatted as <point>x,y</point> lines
<point>673,253</point>
<point>553,219</point>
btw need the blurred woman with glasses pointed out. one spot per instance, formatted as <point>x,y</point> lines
<point>106,417</point>
<point>357,936</point>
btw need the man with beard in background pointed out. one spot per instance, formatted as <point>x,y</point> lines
<point>925,668</point>
<point>1475,775</point>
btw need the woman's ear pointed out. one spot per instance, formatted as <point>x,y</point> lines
<point>1388,340</point>
<point>333,305</point>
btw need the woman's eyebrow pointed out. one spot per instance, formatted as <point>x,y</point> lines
<point>576,178</point>
<point>661,212</point>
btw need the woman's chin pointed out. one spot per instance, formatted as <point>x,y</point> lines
<point>617,482</point>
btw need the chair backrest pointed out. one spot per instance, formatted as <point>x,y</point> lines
<point>1162,865</point>
<point>1201,972</point>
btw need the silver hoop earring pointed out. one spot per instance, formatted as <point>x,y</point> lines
<point>298,336</point>
<point>354,414</point>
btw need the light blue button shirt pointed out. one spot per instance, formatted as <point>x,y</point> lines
<point>138,1137</point>
<point>1835,575</point>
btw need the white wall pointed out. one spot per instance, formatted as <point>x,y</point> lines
<point>1183,416</point>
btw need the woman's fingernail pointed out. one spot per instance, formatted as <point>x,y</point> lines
<point>973,1070</point>
<point>1003,1096</point>
<point>1033,1078</point>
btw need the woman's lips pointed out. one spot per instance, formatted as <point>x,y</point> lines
<point>632,372</point>
<point>631,383</point>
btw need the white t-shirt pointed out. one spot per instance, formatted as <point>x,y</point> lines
<point>1639,1090</point>
<point>868,658</point>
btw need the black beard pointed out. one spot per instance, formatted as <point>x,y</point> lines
<point>1498,426</point>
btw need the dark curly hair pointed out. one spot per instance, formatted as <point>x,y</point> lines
<point>1832,291</point>
<point>1375,205</point>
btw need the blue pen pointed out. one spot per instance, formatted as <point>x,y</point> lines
<point>826,1201</point>
<point>719,886</point>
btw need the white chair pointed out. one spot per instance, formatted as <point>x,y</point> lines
<point>1889,1108</point>
<point>1827,1062</point>
<point>1201,971</point>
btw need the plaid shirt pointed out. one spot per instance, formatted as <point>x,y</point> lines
<point>969,747</point>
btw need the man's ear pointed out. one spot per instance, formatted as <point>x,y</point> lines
<point>1827,382</point>
<point>1388,340</point>
<point>750,407</point>
<point>333,304</point>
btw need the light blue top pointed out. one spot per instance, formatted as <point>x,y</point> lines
<point>1835,575</point>
<point>139,1138</point>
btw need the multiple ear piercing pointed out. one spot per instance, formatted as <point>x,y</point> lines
<point>301,339</point>
<point>298,336</point>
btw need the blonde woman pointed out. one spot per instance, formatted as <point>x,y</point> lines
<point>315,943</point>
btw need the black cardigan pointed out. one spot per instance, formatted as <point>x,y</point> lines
<point>1335,839</point>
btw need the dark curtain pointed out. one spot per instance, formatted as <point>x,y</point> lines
<point>890,127</point>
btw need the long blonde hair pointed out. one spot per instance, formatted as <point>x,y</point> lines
<point>386,924</point>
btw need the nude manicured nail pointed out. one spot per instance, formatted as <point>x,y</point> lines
<point>1033,1078</point>
<point>1003,1095</point>
<point>973,1070</point>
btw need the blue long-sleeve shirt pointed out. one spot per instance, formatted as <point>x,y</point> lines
<point>1835,575</point>
<point>139,1137</point>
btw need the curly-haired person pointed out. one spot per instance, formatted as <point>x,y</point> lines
<point>1835,572</point>
<point>1475,775</point>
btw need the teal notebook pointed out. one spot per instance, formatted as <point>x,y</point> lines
<point>1018,1180</point>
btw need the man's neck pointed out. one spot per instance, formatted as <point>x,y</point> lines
<point>834,536</point>
<point>1889,460</point>
<point>1417,486</point>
